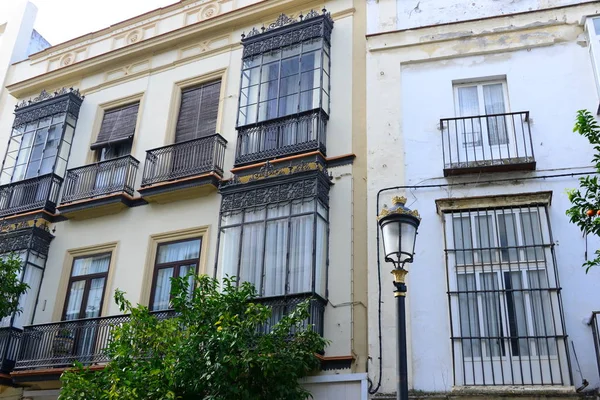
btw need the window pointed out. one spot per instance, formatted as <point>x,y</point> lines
<point>85,293</point>
<point>504,298</point>
<point>281,248</point>
<point>484,99</point>
<point>198,112</point>
<point>285,81</point>
<point>174,259</point>
<point>116,132</point>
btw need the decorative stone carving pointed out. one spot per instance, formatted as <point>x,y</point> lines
<point>134,36</point>
<point>211,10</point>
<point>67,59</point>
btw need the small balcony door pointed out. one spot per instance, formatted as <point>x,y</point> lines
<point>487,135</point>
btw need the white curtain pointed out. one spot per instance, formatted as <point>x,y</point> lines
<point>321,270</point>
<point>484,237</point>
<point>94,299</point>
<point>541,310</point>
<point>162,289</point>
<point>532,235</point>
<point>181,251</point>
<point>230,250</point>
<point>493,96</point>
<point>252,254</point>
<point>91,265</point>
<point>507,232</point>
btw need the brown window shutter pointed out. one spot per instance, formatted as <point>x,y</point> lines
<point>118,125</point>
<point>198,112</point>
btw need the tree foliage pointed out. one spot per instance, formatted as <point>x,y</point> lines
<point>11,287</point>
<point>210,349</point>
<point>585,208</point>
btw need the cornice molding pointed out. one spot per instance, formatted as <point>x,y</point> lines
<point>227,21</point>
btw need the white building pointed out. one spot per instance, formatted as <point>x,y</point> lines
<point>471,107</point>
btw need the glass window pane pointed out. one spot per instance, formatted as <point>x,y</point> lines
<point>251,62</point>
<point>180,251</point>
<point>162,289</point>
<point>91,265</point>
<point>462,240</point>
<point>290,66</point>
<point>300,254</point>
<point>44,122</point>
<point>275,257</point>
<point>270,72</point>
<point>321,250</point>
<point>94,298</point>
<point>311,61</point>
<point>289,85</point>
<point>288,105</point>
<point>250,77</point>
<point>252,254</point>
<point>291,51</point>
<point>469,315</point>
<point>33,277</point>
<point>541,310</point>
<point>267,110</point>
<point>274,55</point>
<point>278,210</point>
<point>492,320</point>
<point>309,45</point>
<point>484,236</point>
<point>58,119</point>
<point>310,80</point>
<point>184,270</point>
<point>309,100</point>
<point>508,239</point>
<point>532,235</point>
<point>493,96</point>
<point>231,218</point>
<point>515,306</point>
<point>31,126</point>
<point>269,90</point>
<point>75,297</point>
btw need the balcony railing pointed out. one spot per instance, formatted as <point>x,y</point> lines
<point>101,179</point>
<point>487,142</point>
<point>9,348</point>
<point>31,194</point>
<point>281,137</point>
<point>60,344</point>
<point>282,305</point>
<point>595,325</point>
<point>185,159</point>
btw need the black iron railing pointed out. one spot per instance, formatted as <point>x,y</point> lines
<point>282,305</point>
<point>282,137</point>
<point>481,142</point>
<point>595,325</point>
<point>185,159</point>
<point>31,194</point>
<point>60,344</point>
<point>100,179</point>
<point>9,348</point>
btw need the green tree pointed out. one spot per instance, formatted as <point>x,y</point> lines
<point>211,349</point>
<point>11,287</point>
<point>585,201</point>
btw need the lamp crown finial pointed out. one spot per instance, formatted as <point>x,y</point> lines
<point>399,200</point>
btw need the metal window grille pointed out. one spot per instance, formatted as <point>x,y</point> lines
<point>507,324</point>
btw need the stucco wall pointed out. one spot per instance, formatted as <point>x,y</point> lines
<point>410,77</point>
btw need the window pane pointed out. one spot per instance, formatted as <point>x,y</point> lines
<point>274,55</point>
<point>275,257</point>
<point>508,239</point>
<point>230,250</point>
<point>311,61</point>
<point>541,310</point>
<point>180,251</point>
<point>468,106</point>
<point>94,300</point>
<point>33,277</point>
<point>532,235</point>
<point>184,270</point>
<point>492,321</point>
<point>253,238</point>
<point>321,250</point>
<point>75,296</point>
<point>462,240</point>
<point>301,253</point>
<point>469,315</point>
<point>517,319</point>
<point>290,66</point>
<point>270,72</point>
<point>309,100</point>
<point>91,265</point>
<point>162,289</point>
<point>291,51</point>
<point>269,90</point>
<point>484,236</point>
<point>288,105</point>
<point>493,96</point>
<point>288,85</point>
<point>278,210</point>
<point>250,77</point>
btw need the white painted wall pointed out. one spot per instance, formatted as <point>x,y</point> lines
<point>409,90</point>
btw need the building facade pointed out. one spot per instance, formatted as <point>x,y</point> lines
<point>471,107</point>
<point>219,137</point>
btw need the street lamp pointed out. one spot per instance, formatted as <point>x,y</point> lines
<point>399,230</point>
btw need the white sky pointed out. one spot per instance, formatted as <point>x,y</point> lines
<point>60,20</point>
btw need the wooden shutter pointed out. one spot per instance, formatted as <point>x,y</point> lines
<point>198,112</point>
<point>118,125</point>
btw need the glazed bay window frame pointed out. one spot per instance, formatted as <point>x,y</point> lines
<point>38,151</point>
<point>285,89</point>
<point>266,217</point>
<point>507,321</point>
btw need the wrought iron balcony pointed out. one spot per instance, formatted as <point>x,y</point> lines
<point>39,193</point>
<point>9,348</point>
<point>280,137</point>
<point>60,344</point>
<point>181,160</point>
<point>101,179</point>
<point>282,305</point>
<point>496,142</point>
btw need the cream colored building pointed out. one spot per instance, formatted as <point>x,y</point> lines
<point>471,107</point>
<point>222,136</point>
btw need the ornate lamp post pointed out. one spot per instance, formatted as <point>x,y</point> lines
<point>399,230</point>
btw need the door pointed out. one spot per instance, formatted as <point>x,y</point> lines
<point>482,128</point>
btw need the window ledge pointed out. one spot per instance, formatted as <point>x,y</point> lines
<point>466,203</point>
<point>516,390</point>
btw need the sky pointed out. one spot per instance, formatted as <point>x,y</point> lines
<point>60,20</point>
